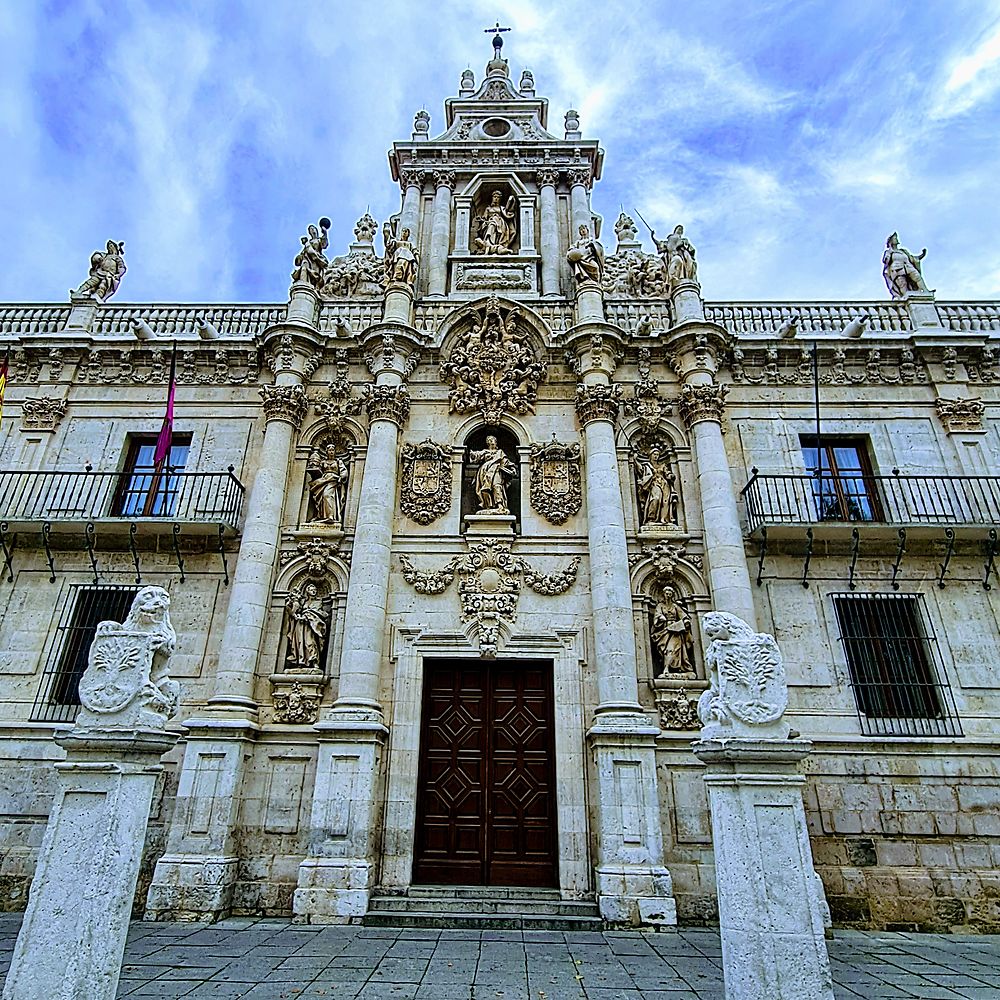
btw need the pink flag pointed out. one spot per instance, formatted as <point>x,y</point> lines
<point>165,438</point>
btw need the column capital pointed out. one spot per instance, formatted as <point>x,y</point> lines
<point>391,349</point>
<point>292,350</point>
<point>580,176</point>
<point>387,402</point>
<point>412,177</point>
<point>595,347</point>
<point>444,179</point>
<point>547,176</point>
<point>287,403</point>
<point>598,402</point>
<point>702,402</point>
<point>696,348</point>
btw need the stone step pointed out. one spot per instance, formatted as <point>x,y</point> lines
<point>445,904</point>
<point>480,892</point>
<point>479,921</point>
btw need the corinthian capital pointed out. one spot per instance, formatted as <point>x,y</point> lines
<point>444,178</point>
<point>388,402</point>
<point>579,175</point>
<point>284,402</point>
<point>702,402</point>
<point>547,175</point>
<point>598,402</point>
<point>412,176</point>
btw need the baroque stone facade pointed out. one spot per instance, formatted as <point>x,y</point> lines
<point>335,575</point>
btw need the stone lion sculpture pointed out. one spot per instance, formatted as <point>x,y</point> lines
<point>748,694</point>
<point>126,683</point>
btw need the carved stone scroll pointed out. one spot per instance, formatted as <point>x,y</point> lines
<point>556,483</point>
<point>426,481</point>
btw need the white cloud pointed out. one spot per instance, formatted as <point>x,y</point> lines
<point>972,79</point>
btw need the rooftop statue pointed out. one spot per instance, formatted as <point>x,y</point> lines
<point>365,228</point>
<point>586,258</point>
<point>625,228</point>
<point>401,257</point>
<point>310,261</point>
<point>106,270</point>
<point>901,269</point>
<point>496,226</point>
<point>678,256</point>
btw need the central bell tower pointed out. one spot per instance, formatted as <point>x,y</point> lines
<point>493,200</point>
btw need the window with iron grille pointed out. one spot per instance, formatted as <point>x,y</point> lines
<point>147,488</point>
<point>899,685</point>
<point>58,698</point>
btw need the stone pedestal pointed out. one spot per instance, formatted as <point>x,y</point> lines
<point>73,936</point>
<point>923,312</point>
<point>489,525</point>
<point>686,297</point>
<point>589,302</point>
<point>303,303</point>
<point>83,309</point>
<point>772,909</point>
<point>398,303</point>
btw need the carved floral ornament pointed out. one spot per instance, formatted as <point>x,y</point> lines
<point>961,414</point>
<point>317,555</point>
<point>296,705</point>
<point>556,483</point>
<point>284,402</point>
<point>645,401</point>
<point>677,710</point>
<point>284,358</point>
<point>492,367</point>
<point>598,402</point>
<point>791,364</point>
<point>338,403</point>
<point>702,402</point>
<point>387,402</point>
<point>42,413</point>
<point>490,584</point>
<point>426,481</point>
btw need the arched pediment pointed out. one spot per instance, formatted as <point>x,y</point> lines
<point>460,320</point>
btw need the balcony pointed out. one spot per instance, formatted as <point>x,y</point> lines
<point>836,505</point>
<point>66,502</point>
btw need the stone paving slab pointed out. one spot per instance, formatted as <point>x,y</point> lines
<point>247,959</point>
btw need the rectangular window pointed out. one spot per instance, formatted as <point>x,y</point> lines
<point>146,489</point>
<point>891,657</point>
<point>58,698</point>
<point>845,488</point>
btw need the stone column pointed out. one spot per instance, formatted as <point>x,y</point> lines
<point>547,180</point>
<point>579,200</point>
<point>194,879</point>
<point>72,938</point>
<point>335,881</point>
<point>772,908</point>
<point>444,182</point>
<point>633,886</point>
<point>409,216</point>
<point>697,345</point>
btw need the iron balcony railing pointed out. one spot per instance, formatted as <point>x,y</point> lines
<point>57,497</point>
<point>893,500</point>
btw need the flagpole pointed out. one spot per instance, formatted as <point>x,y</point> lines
<point>819,440</point>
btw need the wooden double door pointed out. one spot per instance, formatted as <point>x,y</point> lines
<point>486,805</point>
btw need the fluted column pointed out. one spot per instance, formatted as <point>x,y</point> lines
<point>579,200</point>
<point>547,180</point>
<point>444,183</point>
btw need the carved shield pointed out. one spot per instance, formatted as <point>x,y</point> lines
<point>426,481</point>
<point>751,678</point>
<point>556,490</point>
<point>426,477</point>
<point>118,667</point>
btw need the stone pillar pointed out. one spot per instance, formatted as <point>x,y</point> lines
<point>923,310</point>
<point>194,879</point>
<point>444,182</point>
<point>772,909</point>
<point>547,180</point>
<point>579,200</point>
<point>409,216</point>
<point>633,886</point>
<point>697,345</point>
<point>72,938</point>
<point>336,879</point>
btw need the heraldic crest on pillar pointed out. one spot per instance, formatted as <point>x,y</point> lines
<point>556,483</point>
<point>426,485</point>
<point>493,368</point>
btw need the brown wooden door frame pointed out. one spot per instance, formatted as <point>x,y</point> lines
<point>499,825</point>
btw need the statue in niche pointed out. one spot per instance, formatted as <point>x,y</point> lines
<point>496,226</point>
<point>106,270</point>
<point>305,628</point>
<point>671,634</point>
<point>494,468</point>
<point>586,258</point>
<point>327,484</point>
<point>901,269</point>
<point>656,486</point>
<point>401,257</point>
<point>677,252</point>
<point>310,262</point>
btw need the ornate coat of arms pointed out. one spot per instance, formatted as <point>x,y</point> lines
<point>493,368</point>
<point>426,487</point>
<point>556,489</point>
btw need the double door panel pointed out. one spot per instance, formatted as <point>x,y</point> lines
<point>486,808</point>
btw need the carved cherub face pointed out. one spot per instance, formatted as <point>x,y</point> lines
<point>405,234</point>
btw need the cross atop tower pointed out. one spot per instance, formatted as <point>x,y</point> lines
<point>497,40</point>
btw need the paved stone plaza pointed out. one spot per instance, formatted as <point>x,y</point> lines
<point>278,960</point>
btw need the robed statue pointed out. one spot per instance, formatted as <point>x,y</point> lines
<point>586,257</point>
<point>306,628</point>
<point>671,634</point>
<point>496,226</point>
<point>327,484</point>
<point>401,257</point>
<point>494,469</point>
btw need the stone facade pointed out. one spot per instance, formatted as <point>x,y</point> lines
<point>294,788</point>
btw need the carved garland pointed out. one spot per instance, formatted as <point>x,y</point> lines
<point>556,483</point>
<point>426,482</point>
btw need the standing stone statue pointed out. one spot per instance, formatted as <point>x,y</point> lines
<point>677,253</point>
<point>72,938</point>
<point>586,257</point>
<point>494,468</point>
<point>401,257</point>
<point>658,498</point>
<point>496,226</point>
<point>310,261</point>
<point>328,484</point>
<point>306,629</point>
<point>671,634</point>
<point>625,228</point>
<point>106,270</point>
<point>901,269</point>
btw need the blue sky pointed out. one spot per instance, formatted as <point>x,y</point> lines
<point>789,137</point>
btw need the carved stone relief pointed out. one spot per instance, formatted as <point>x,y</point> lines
<point>961,414</point>
<point>425,492</point>
<point>296,706</point>
<point>645,401</point>
<point>490,584</point>
<point>492,367</point>
<point>556,483</point>
<point>598,402</point>
<point>634,273</point>
<point>387,402</point>
<point>42,413</point>
<point>656,484</point>
<point>702,402</point>
<point>494,274</point>
<point>337,404</point>
<point>677,710</point>
<point>284,402</point>
<point>359,273</point>
<point>777,364</point>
